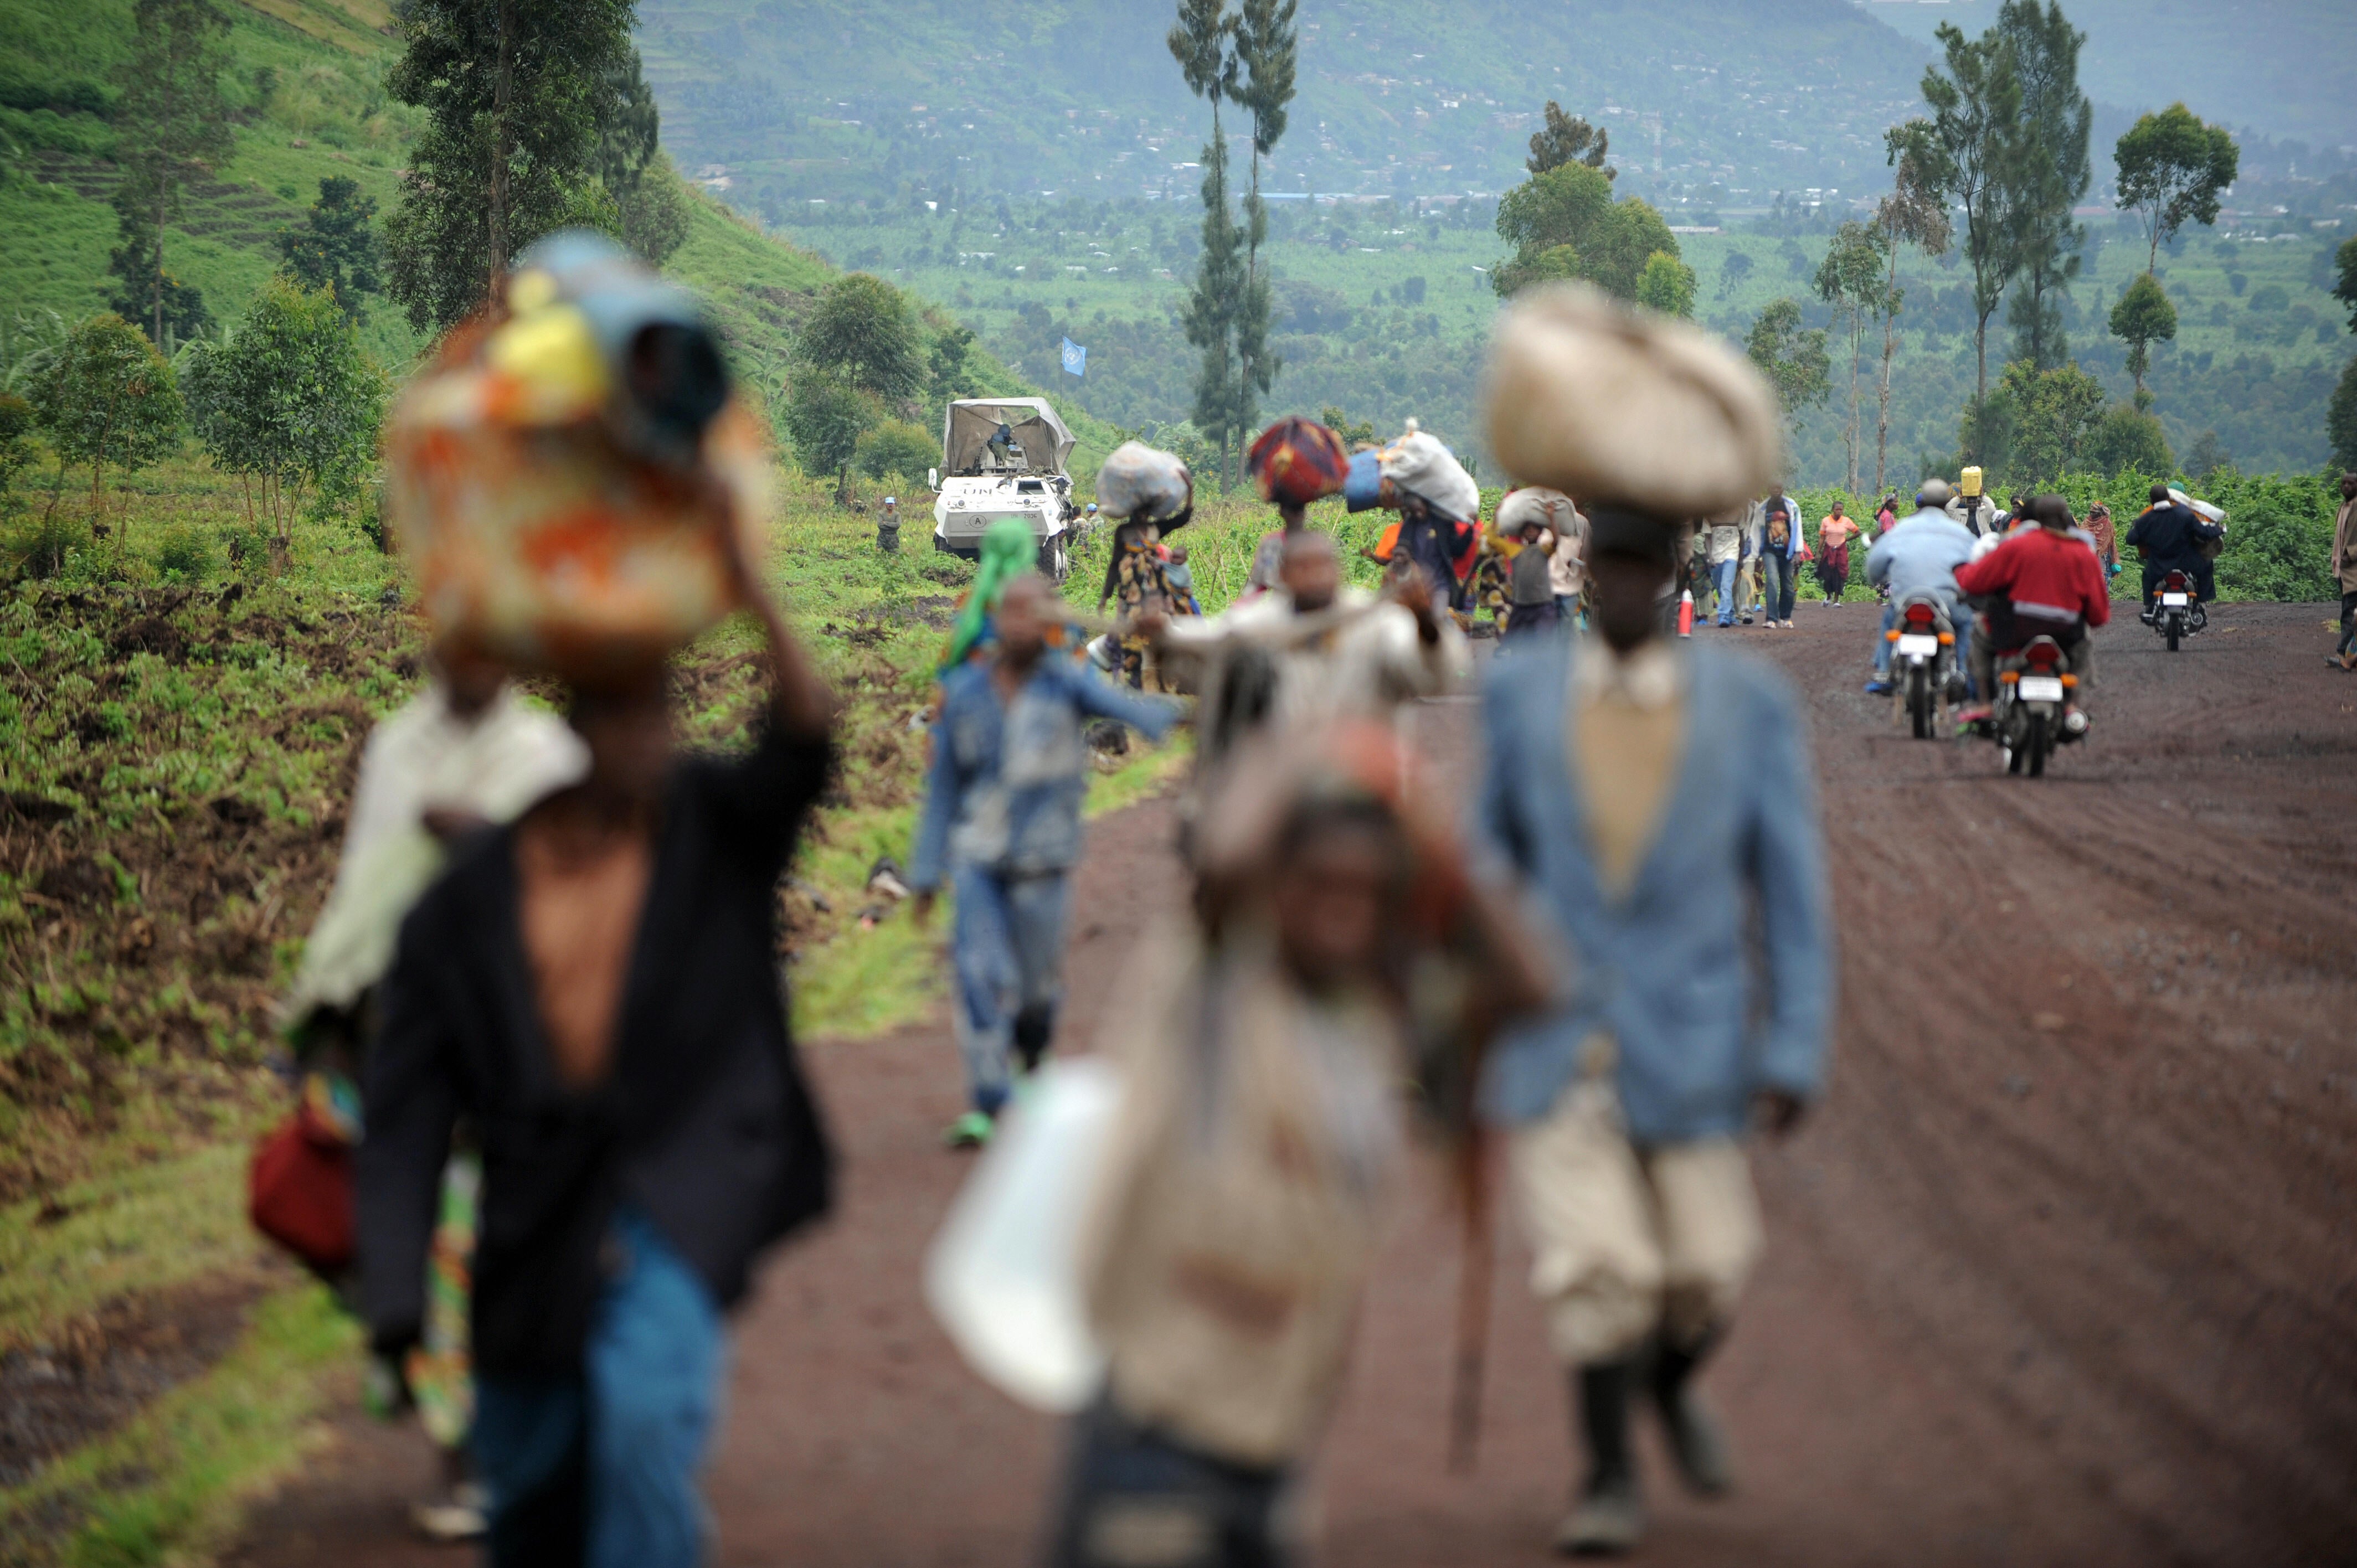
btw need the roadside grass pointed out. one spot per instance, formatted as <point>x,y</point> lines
<point>168,1486</point>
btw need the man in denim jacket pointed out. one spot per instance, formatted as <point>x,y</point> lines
<point>1655,795</point>
<point>1002,820</point>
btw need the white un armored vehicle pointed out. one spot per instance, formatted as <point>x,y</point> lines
<point>1004,456</point>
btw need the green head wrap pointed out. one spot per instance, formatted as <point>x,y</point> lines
<point>1009,550</point>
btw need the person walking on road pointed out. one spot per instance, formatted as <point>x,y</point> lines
<point>1649,792</point>
<point>2106,537</point>
<point>1001,824</point>
<point>1726,564</point>
<point>594,989</point>
<point>1531,516</point>
<point>1834,535</point>
<point>1921,556</point>
<point>1260,1141</point>
<point>1781,544</point>
<point>2344,571</point>
<point>1567,569</point>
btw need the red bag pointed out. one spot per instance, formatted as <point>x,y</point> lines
<point>299,1192</point>
<point>1296,461</point>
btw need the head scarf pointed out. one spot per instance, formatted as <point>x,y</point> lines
<point>1008,550</point>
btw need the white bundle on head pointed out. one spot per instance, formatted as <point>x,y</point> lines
<point>1421,465</point>
<point>1627,409</point>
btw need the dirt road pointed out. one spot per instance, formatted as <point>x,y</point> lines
<point>2062,1273</point>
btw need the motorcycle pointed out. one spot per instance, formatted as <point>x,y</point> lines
<point>2031,715</point>
<point>2177,613</point>
<point>1923,662</point>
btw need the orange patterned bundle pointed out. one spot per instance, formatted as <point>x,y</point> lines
<point>538,530</point>
<point>1297,460</point>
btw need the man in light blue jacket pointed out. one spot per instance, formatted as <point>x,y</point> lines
<point>1651,792</point>
<point>1002,823</point>
<point>1920,555</point>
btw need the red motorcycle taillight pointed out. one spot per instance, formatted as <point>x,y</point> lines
<point>1919,614</point>
<point>2178,582</point>
<point>2044,655</point>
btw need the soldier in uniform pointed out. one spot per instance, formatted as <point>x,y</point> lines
<point>1625,1108</point>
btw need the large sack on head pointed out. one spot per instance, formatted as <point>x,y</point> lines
<point>1420,464</point>
<point>564,479</point>
<point>1143,485</point>
<point>1626,410</point>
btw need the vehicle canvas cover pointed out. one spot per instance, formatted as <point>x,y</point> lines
<point>971,422</point>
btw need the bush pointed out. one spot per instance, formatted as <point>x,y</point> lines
<point>40,547</point>
<point>185,551</point>
<point>898,450</point>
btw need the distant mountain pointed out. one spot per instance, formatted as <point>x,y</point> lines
<point>2285,68</point>
<point>800,101</point>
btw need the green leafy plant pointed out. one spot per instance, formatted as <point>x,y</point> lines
<point>105,395</point>
<point>184,550</point>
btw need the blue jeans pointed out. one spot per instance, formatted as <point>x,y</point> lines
<point>1007,949</point>
<point>1777,584</point>
<point>1962,619</point>
<point>1722,579</point>
<point>630,1433</point>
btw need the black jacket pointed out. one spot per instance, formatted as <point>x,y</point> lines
<point>704,1122</point>
<point>2170,536</point>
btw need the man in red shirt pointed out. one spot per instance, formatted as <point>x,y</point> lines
<point>2042,580</point>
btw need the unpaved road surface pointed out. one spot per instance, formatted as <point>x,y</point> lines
<point>2064,1271</point>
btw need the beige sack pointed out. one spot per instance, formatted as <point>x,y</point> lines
<point>1624,409</point>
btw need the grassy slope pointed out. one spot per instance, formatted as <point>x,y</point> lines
<point>198,730</point>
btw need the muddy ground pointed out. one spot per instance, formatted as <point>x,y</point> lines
<point>2062,1271</point>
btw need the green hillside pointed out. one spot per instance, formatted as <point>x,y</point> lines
<point>308,86</point>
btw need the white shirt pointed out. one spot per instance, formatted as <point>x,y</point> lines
<point>1362,668</point>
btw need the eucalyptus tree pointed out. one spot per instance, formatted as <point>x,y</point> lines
<point>2173,168</point>
<point>2051,171</point>
<point>1912,214</point>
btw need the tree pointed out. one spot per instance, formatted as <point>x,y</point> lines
<point>861,334</point>
<point>1967,154</point>
<point>174,126</point>
<point>336,249</point>
<point>516,94</point>
<point>825,419</point>
<point>1850,279</point>
<point>2127,439</point>
<point>1912,214</point>
<point>1733,270</point>
<point>896,449</point>
<point>1566,139</point>
<point>287,400</point>
<point>16,421</point>
<point>2173,168</point>
<point>651,201</point>
<point>106,395</point>
<point>149,293</point>
<point>1354,434</point>
<point>2344,284</point>
<point>1565,224</point>
<point>2340,420</point>
<point>1667,284</point>
<point>2053,411</point>
<point>1199,43</point>
<point>1261,79</point>
<point>2143,317</point>
<point>1792,358</point>
<point>953,376</point>
<point>2051,170</point>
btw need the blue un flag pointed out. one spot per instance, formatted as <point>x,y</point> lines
<point>1076,358</point>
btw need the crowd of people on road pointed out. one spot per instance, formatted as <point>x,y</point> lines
<point>549,979</point>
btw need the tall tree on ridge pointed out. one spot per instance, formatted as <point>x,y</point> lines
<point>1199,44</point>
<point>1567,139</point>
<point>1261,81</point>
<point>176,129</point>
<point>2172,167</point>
<point>1968,151</point>
<point>1851,281</point>
<point>1912,214</point>
<point>2051,171</point>
<point>517,93</point>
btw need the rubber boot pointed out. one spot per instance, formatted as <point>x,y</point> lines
<point>1033,1028</point>
<point>1609,1520</point>
<point>1697,1439</point>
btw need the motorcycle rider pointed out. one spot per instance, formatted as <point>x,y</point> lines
<point>2042,581</point>
<point>2170,537</point>
<point>1921,556</point>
